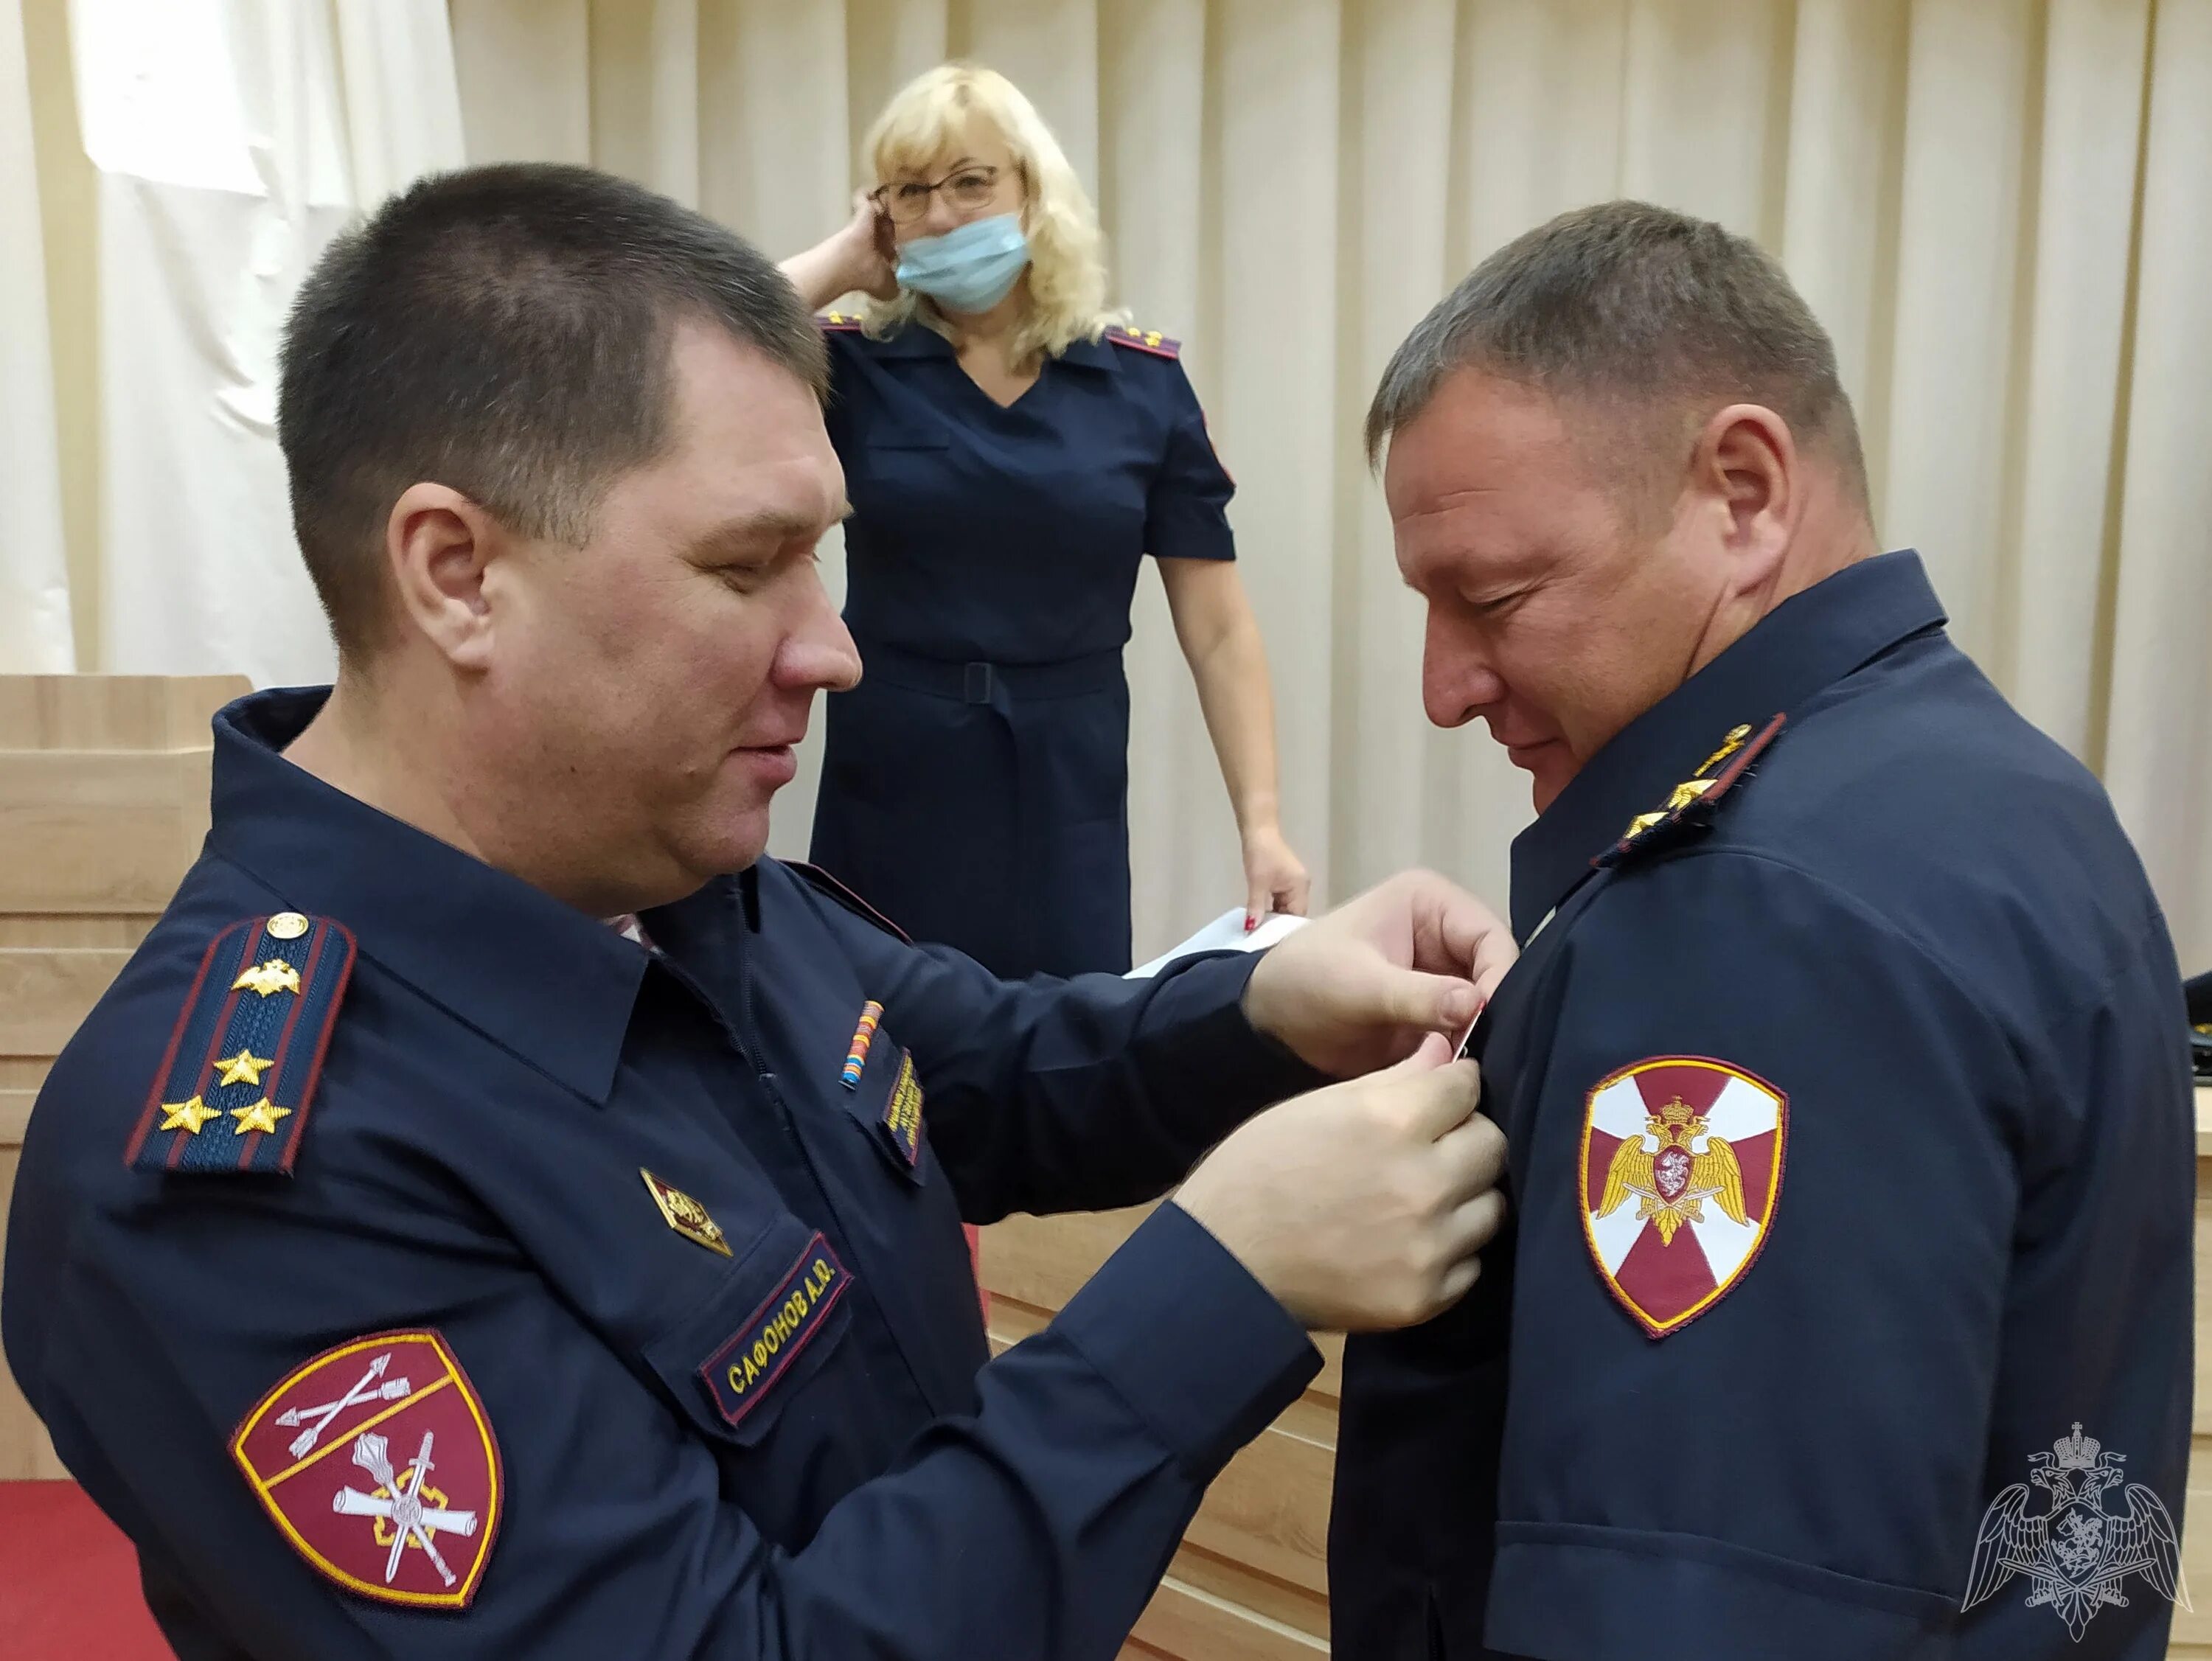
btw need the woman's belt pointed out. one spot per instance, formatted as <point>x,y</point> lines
<point>984,683</point>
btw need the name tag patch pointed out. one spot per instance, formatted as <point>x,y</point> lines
<point>739,1373</point>
<point>902,1112</point>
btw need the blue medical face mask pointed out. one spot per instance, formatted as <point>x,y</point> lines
<point>971,268</point>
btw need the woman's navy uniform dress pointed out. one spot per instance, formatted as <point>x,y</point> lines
<point>976,784</point>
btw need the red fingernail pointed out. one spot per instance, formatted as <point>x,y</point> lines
<point>1250,922</point>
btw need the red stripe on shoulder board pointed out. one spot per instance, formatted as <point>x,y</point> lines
<point>843,322</point>
<point>814,877</point>
<point>176,1041</point>
<point>1146,339</point>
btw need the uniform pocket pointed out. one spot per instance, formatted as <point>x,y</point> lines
<point>886,1103</point>
<point>774,1323</point>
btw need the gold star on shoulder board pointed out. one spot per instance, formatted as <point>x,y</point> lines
<point>187,1115</point>
<point>1692,787</point>
<point>1683,794</point>
<point>268,979</point>
<point>244,1068</point>
<point>261,1116</point>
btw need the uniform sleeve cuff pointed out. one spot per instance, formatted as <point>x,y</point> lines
<point>1205,1051</point>
<point>1202,534</point>
<point>1200,1350</point>
<point>1603,1594</point>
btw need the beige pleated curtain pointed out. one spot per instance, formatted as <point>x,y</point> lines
<point>2001,208</point>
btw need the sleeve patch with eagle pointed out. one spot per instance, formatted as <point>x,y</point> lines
<point>1680,1171</point>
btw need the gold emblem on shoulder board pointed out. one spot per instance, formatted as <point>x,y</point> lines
<point>685,1215</point>
<point>1737,737</point>
<point>267,979</point>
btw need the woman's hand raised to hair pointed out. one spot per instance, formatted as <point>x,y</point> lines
<point>870,258</point>
<point>856,257</point>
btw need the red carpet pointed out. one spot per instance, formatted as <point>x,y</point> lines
<point>69,1581</point>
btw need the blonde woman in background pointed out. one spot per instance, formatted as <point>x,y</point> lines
<point>1012,453</point>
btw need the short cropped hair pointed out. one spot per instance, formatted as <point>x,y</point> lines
<point>506,331</point>
<point>1648,312</point>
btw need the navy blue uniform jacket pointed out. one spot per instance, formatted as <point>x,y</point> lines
<point>976,784</point>
<point>741,1407</point>
<point>1852,1163</point>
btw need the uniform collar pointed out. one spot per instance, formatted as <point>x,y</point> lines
<point>919,340</point>
<point>915,340</point>
<point>1093,355</point>
<point>531,974</point>
<point>1807,642</point>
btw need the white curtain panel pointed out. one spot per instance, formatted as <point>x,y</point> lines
<point>232,140</point>
<point>2001,209</point>
<point>35,631</point>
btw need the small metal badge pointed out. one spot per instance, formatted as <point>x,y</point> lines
<point>269,979</point>
<point>685,1215</point>
<point>287,925</point>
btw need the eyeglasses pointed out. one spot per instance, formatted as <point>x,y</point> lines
<point>966,190</point>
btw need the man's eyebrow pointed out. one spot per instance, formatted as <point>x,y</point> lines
<point>749,531</point>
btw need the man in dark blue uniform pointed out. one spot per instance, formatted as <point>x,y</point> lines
<point>411,1260</point>
<point>1851,1159</point>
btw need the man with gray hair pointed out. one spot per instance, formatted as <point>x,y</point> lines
<point>1850,1149</point>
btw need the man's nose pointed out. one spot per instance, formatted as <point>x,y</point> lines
<point>1457,682</point>
<point>818,654</point>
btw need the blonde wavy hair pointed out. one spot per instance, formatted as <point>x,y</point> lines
<point>928,117</point>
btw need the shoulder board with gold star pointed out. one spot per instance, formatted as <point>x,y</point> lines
<point>1144,340</point>
<point>840,320</point>
<point>235,1087</point>
<point>823,883</point>
<point>1690,807</point>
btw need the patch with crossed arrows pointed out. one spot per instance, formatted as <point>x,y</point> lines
<point>318,1449</point>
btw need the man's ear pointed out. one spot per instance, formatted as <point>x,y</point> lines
<point>438,544</point>
<point>1747,463</point>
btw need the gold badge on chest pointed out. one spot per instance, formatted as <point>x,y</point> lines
<point>685,1215</point>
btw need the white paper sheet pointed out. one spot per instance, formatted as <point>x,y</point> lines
<point>1225,934</point>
